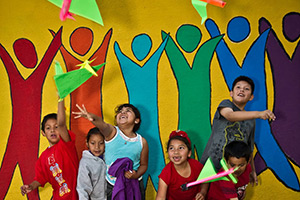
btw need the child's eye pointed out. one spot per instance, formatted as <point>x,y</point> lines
<point>181,148</point>
<point>171,148</point>
<point>247,88</point>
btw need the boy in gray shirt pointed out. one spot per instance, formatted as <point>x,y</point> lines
<point>232,123</point>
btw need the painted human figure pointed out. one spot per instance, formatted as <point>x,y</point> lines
<point>89,93</point>
<point>193,82</point>
<point>286,73</point>
<point>26,96</point>
<point>253,66</point>
<point>141,83</point>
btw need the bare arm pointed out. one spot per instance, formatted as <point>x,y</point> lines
<point>202,194</point>
<point>61,122</point>
<point>106,129</point>
<point>162,190</point>
<point>25,189</point>
<point>253,175</point>
<point>143,163</point>
<point>234,116</point>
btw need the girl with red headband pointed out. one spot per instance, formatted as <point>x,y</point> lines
<point>182,169</point>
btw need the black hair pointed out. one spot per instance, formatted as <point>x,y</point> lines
<point>93,131</point>
<point>244,78</point>
<point>237,149</point>
<point>46,118</point>
<point>183,139</point>
<point>135,111</point>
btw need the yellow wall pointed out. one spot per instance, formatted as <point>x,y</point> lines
<point>128,18</point>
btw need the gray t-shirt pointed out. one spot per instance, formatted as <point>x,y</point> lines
<point>224,132</point>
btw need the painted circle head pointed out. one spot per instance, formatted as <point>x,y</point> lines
<point>188,37</point>
<point>238,29</point>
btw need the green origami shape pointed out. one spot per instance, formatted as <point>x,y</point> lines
<point>209,170</point>
<point>85,8</point>
<point>70,81</point>
<point>200,6</point>
<point>223,164</point>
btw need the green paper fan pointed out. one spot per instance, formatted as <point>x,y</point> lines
<point>85,8</point>
<point>70,81</point>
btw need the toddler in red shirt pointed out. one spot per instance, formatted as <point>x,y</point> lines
<point>182,169</point>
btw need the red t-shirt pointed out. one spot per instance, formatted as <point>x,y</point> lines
<point>58,165</point>
<point>223,190</point>
<point>174,181</point>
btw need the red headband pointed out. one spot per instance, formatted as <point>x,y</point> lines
<point>181,134</point>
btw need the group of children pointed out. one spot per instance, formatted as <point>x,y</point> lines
<point>117,173</point>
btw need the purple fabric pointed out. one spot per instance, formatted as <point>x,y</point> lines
<point>124,189</point>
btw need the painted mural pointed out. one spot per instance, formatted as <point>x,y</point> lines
<point>161,58</point>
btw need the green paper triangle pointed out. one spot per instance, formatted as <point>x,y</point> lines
<point>70,81</point>
<point>85,8</point>
<point>58,69</point>
<point>200,6</point>
<point>223,164</point>
<point>209,170</point>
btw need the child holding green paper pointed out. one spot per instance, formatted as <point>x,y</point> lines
<point>182,169</point>
<point>237,155</point>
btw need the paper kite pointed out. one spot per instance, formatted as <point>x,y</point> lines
<point>85,8</point>
<point>209,174</point>
<point>200,6</point>
<point>70,81</point>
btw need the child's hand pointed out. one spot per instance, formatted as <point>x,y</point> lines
<point>199,196</point>
<point>130,174</point>
<point>267,114</point>
<point>253,178</point>
<point>82,113</point>
<point>25,189</point>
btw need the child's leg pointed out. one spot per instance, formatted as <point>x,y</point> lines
<point>109,190</point>
<point>142,189</point>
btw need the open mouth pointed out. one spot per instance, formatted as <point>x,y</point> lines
<point>123,117</point>
<point>176,158</point>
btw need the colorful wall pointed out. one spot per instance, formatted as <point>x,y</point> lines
<point>162,59</point>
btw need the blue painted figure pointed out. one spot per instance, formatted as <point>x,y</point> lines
<point>253,66</point>
<point>141,83</point>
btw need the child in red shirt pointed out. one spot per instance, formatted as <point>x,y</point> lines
<point>236,154</point>
<point>182,169</point>
<point>58,164</point>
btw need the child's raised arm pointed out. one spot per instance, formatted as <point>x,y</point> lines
<point>234,116</point>
<point>61,122</point>
<point>106,129</point>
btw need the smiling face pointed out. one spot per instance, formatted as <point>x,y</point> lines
<point>178,152</point>
<point>126,116</point>
<point>234,162</point>
<point>241,93</point>
<point>96,144</point>
<point>51,131</point>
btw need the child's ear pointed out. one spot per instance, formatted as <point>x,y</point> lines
<point>252,96</point>
<point>190,153</point>
<point>43,133</point>
<point>231,93</point>
<point>137,120</point>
